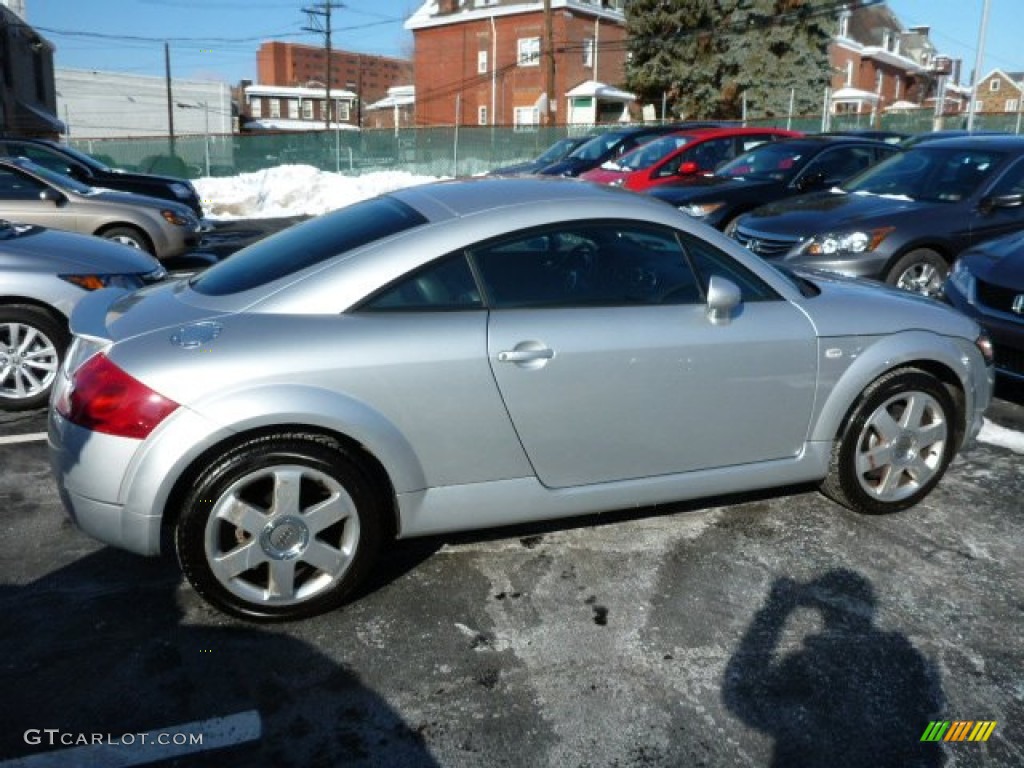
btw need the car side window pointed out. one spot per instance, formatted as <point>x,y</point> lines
<point>50,160</point>
<point>15,186</point>
<point>443,285</point>
<point>1011,182</point>
<point>708,261</point>
<point>839,164</point>
<point>586,264</point>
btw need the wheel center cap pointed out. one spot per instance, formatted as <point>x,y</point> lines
<point>904,448</point>
<point>284,538</point>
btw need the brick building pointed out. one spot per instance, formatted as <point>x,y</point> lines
<point>295,65</point>
<point>482,62</point>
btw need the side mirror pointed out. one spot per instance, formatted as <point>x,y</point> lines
<point>989,204</point>
<point>688,169</point>
<point>723,297</point>
<point>52,195</point>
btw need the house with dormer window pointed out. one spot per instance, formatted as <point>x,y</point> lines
<point>1000,91</point>
<point>484,62</point>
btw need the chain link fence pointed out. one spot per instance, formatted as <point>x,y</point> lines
<point>446,151</point>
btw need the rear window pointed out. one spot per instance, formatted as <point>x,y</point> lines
<point>307,244</point>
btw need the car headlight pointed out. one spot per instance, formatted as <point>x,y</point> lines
<point>95,282</point>
<point>847,243</point>
<point>182,191</point>
<point>700,210</point>
<point>178,219</point>
<point>962,279</point>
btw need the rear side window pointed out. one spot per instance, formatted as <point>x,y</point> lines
<point>307,244</point>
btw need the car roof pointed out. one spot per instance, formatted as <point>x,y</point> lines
<point>975,141</point>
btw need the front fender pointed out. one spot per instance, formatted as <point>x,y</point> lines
<point>851,364</point>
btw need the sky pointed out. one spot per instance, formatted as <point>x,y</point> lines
<point>218,39</point>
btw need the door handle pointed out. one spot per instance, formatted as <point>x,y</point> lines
<point>525,355</point>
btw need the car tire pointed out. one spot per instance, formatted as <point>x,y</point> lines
<point>129,236</point>
<point>921,270</point>
<point>895,445</point>
<point>33,343</point>
<point>279,528</point>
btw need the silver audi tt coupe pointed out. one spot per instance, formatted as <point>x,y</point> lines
<point>481,353</point>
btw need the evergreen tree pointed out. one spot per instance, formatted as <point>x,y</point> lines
<point>704,56</point>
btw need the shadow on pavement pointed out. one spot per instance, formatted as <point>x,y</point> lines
<point>127,661</point>
<point>848,695</point>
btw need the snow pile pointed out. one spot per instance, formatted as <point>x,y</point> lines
<point>993,434</point>
<point>294,190</point>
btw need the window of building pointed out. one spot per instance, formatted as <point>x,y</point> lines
<point>993,85</point>
<point>849,72</point>
<point>275,107</point>
<point>481,115</point>
<point>879,82</point>
<point>293,109</point>
<point>307,109</point>
<point>844,23</point>
<point>526,118</point>
<point>588,52</point>
<point>528,52</point>
<point>256,107</point>
<point>1010,106</point>
<point>344,110</point>
<point>481,61</point>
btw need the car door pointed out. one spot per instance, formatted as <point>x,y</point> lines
<point>610,369</point>
<point>988,221</point>
<point>20,201</point>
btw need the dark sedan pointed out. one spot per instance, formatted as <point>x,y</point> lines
<point>771,172</point>
<point>549,156</point>
<point>82,167</point>
<point>903,221</point>
<point>987,283</point>
<point>610,145</point>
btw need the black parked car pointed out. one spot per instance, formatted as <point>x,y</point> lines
<point>551,155</point>
<point>771,172</point>
<point>88,170</point>
<point>904,220</point>
<point>987,283</point>
<point>611,144</point>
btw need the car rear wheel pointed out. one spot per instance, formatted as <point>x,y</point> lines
<point>919,271</point>
<point>128,236</point>
<point>896,445</point>
<point>32,346</point>
<point>280,527</point>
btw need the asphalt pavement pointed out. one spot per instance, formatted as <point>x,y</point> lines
<point>774,629</point>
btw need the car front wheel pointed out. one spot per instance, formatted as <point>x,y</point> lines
<point>32,345</point>
<point>129,236</point>
<point>920,271</point>
<point>896,445</point>
<point>280,527</point>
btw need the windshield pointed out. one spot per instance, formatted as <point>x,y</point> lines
<point>83,158</point>
<point>58,180</point>
<point>776,161</point>
<point>928,174</point>
<point>598,146</point>
<point>557,150</point>
<point>648,154</point>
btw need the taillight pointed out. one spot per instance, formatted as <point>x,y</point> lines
<point>104,398</point>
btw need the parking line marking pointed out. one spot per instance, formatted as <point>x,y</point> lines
<point>217,733</point>
<point>29,438</point>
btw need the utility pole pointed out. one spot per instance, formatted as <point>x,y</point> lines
<point>549,64</point>
<point>170,99</point>
<point>320,21</point>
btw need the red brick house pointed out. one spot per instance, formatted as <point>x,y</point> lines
<point>483,62</point>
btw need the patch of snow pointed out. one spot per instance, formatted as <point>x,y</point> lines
<point>993,434</point>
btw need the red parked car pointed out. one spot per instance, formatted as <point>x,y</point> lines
<point>667,159</point>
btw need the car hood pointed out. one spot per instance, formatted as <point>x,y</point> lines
<point>707,187</point>
<point>512,170</point>
<point>825,211</point>
<point>850,306</point>
<point>999,262</point>
<point>569,166</point>
<point>146,178</point>
<point>604,175</point>
<point>42,249</point>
